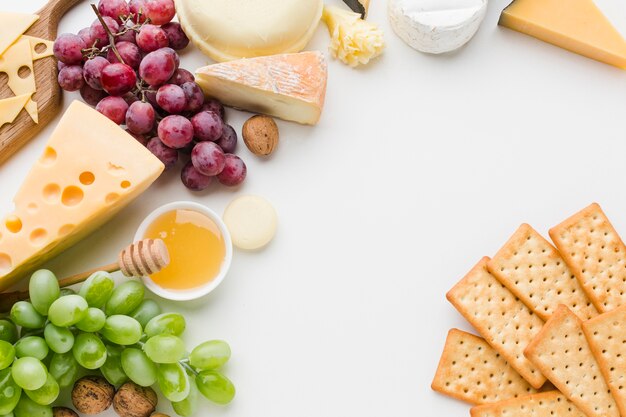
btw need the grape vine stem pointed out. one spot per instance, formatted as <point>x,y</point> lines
<point>109,33</point>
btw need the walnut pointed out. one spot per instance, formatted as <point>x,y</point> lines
<point>63,412</point>
<point>92,395</point>
<point>132,400</point>
<point>260,134</point>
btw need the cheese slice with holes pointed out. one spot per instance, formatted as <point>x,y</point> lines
<point>13,25</point>
<point>576,25</point>
<point>90,169</point>
<point>44,45</point>
<point>11,107</point>
<point>18,57</point>
<point>288,86</point>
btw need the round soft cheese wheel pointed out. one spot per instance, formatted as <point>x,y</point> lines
<point>232,29</point>
<point>251,221</point>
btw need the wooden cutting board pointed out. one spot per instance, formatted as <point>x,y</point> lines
<point>48,95</point>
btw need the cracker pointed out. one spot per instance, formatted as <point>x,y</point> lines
<point>500,317</point>
<point>470,370</point>
<point>606,335</point>
<point>532,269</point>
<point>562,354</point>
<point>596,255</point>
<point>545,404</point>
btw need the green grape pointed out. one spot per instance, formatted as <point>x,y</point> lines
<point>112,368</point>
<point>7,354</point>
<point>93,321</point>
<point>28,408</point>
<point>125,298</point>
<point>147,310</point>
<point>43,289</point>
<point>97,289</point>
<point>68,310</point>
<point>189,405</point>
<point>10,392</point>
<point>215,387</point>
<point>29,373</point>
<point>122,330</point>
<point>64,368</point>
<point>60,339</point>
<point>165,349</point>
<point>173,381</point>
<point>47,394</point>
<point>89,351</point>
<point>139,368</point>
<point>166,323</point>
<point>66,291</point>
<point>33,346</point>
<point>24,314</point>
<point>210,355</point>
<point>8,331</point>
<point>24,332</point>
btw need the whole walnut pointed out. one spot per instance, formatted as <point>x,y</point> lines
<point>92,395</point>
<point>63,412</point>
<point>133,400</point>
<point>158,415</point>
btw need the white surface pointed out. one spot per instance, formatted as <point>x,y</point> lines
<point>420,165</point>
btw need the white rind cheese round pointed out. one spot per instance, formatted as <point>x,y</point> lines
<point>436,26</point>
<point>231,29</point>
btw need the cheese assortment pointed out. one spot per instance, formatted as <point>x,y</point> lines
<point>576,25</point>
<point>289,86</point>
<point>233,29</point>
<point>436,26</point>
<point>90,170</point>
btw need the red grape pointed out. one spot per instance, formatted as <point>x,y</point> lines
<point>128,51</point>
<point>228,141</point>
<point>85,35</point>
<point>114,8</point>
<point>175,131</point>
<point>92,71</point>
<point>215,106</point>
<point>166,154</point>
<point>208,158</point>
<point>171,98</point>
<point>159,12</point>
<point>128,36</point>
<point>234,171</point>
<point>194,96</point>
<point>68,48</point>
<point>98,32</point>
<point>114,108</point>
<point>140,138</point>
<point>71,78</point>
<point>181,76</point>
<point>169,51</point>
<point>151,97</point>
<point>157,67</point>
<point>151,37</point>
<point>91,95</point>
<point>118,79</point>
<point>207,125</point>
<point>130,98</point>
<point>61,65</point>
<point>136,7</point>
<point>176,35</point>
<point>194,179</point>
<point>140,117</point>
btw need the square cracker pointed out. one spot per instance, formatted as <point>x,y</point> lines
<point>596,255</point>
<point>532,269</point>
<point>545,404</point>
<point>562,353</point>
<point>606,335</point>
<point>500,317</point>
<point>470,370</point>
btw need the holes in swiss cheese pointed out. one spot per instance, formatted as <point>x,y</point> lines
<point>87,178</point>
<point>72,196</point>
<point>5,263</point>
<point>51,193</point>
<point>24,71</point>
<point>49,156</point>
<point>13,224</point>
<point>38,236</point>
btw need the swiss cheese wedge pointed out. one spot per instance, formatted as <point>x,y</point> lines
<point>288,86</point>
<point>575,25</point>
<point>90,169</point>
<point>13,26</point>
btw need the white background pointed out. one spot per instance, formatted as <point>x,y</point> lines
<point>419,166</point>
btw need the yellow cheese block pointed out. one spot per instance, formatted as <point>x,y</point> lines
<point>11,107</point>
<point>89,170</point>
<point>575,25</point>
<point>13,25</point>
<point>44,45</point>
<point>19,58</point>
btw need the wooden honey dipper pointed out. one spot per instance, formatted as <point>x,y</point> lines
<point>144,257</point>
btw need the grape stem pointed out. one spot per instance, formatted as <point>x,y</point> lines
<point>109,33</point>
<point>185,364</point>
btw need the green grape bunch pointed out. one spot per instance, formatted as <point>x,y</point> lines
<point>49,340</point>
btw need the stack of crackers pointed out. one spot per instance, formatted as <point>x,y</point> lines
<point>552,321</point>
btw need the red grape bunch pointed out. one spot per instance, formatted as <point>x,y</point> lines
<point>126,65</point>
